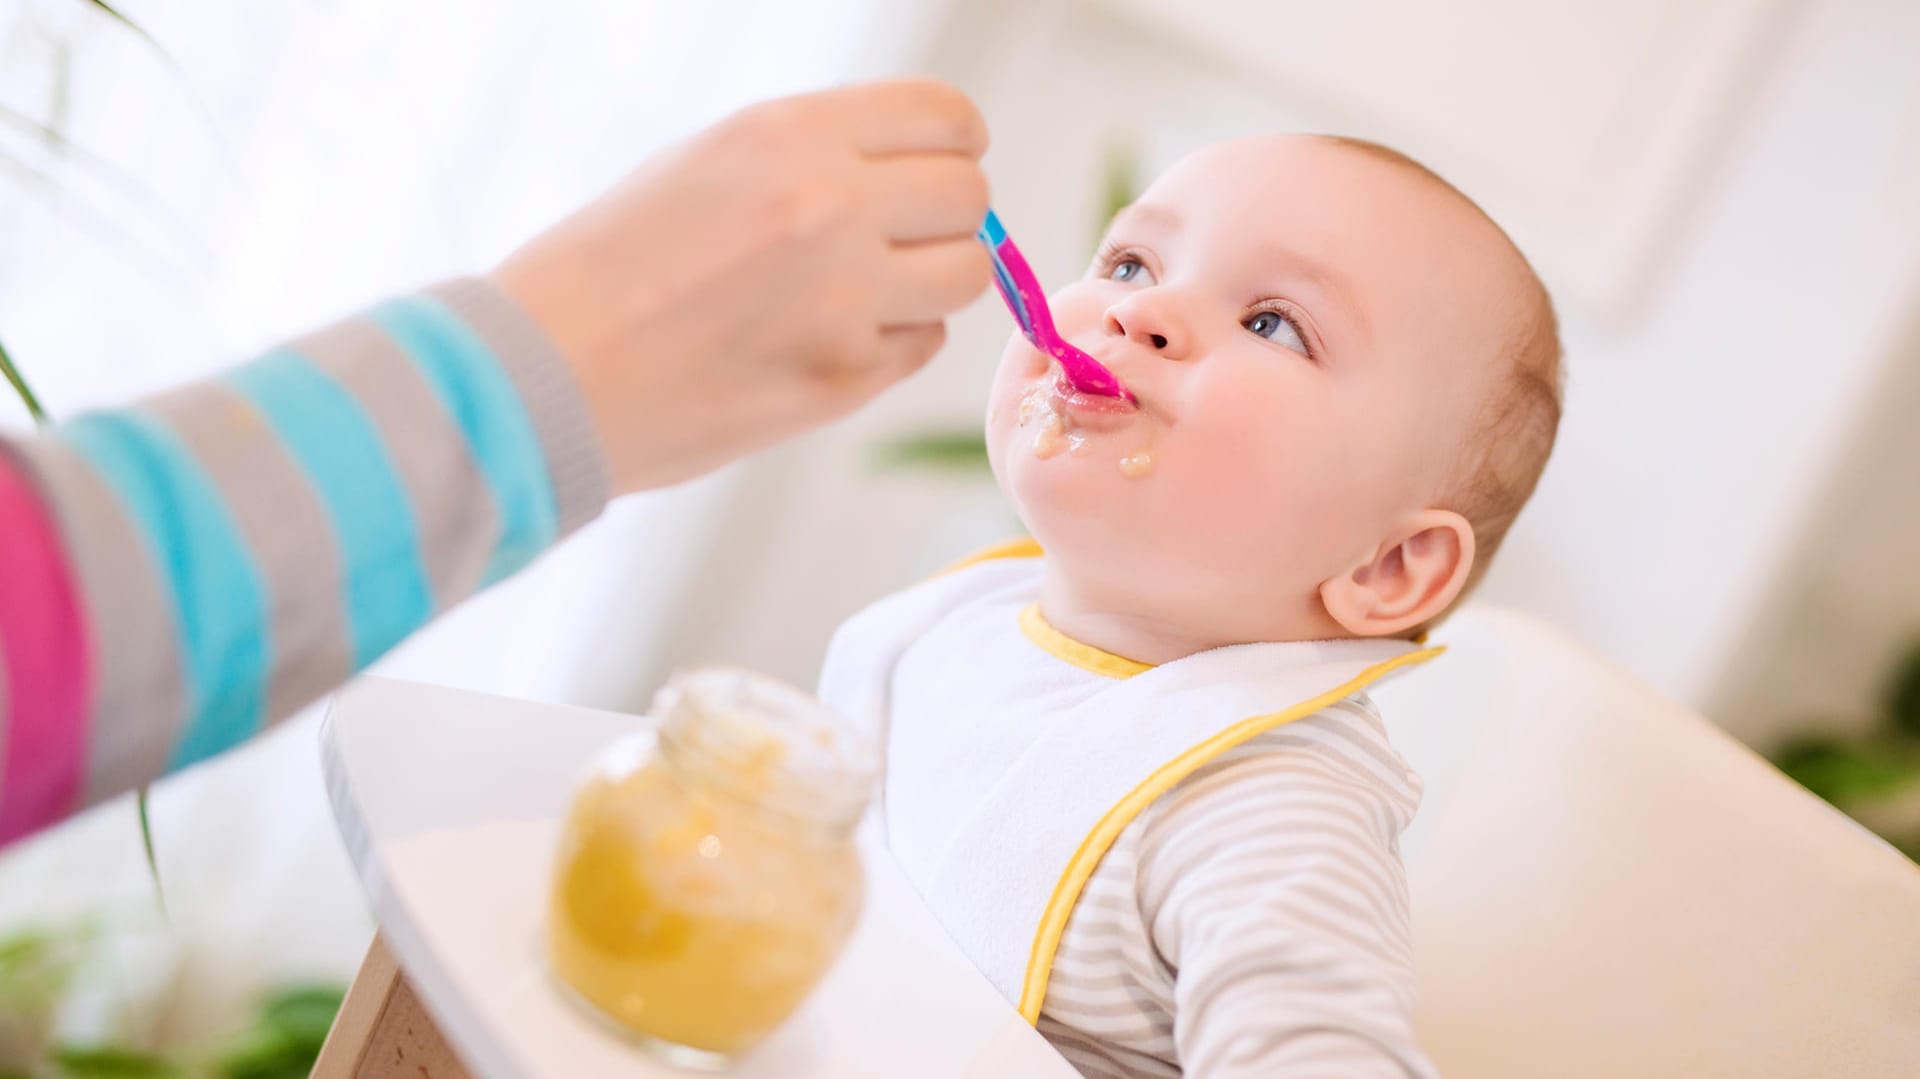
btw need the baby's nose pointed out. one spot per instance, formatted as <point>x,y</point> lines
<point>1147,323</point>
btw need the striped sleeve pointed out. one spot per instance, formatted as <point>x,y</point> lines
<point>177,575</point>
<point>1253,921</point>
<point>1273,886</point>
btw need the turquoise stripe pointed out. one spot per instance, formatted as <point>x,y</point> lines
<point>475,389</point>
<point>333,440</point>
<point>219,600</point>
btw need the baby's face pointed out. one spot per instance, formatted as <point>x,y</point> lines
<point>1309,331</point>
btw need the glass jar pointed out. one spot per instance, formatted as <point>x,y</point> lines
<point>707,875</point>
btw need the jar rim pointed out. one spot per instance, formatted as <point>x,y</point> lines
<point>768,742</point>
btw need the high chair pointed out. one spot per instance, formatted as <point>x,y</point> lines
<point>1606,885</point>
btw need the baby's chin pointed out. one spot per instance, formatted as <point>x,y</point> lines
<point>1074,492</point>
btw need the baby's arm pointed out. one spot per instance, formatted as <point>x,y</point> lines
<point>1277,895</point>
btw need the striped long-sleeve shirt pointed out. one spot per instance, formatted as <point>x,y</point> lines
<point>175,576</point>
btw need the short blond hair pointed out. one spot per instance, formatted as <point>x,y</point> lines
<point>1500,466</point>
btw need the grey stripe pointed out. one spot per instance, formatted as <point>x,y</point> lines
<point>1099,943</point>
<point>1129,1001</point>
<point>1159,888</point>
<point>1318,752</point>
<point>1361,743</point>
<point>1339,922</point>
<point>1303,820</point>
<point>285,526</point>
<point>453,507</point>
<point>1280,783</point>
<point>1350,1052</point>
<point>575,461</point>
<point>1104,1058</point>
<point>139,681</point>
<point>1386,911</point>
<point>1313,764</point>
<point>1353,747</point>
<point>1327,979</point>
<point>1108,897</point>
<point>1103,981</point>
<point>1258,875</point>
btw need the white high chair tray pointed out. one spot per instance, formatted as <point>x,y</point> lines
<point>450,803</point>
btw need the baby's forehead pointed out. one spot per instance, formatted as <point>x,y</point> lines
<point>1400,240</point>
<point>1333,177</point>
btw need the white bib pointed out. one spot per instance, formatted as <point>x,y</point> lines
<point>1006,883</point>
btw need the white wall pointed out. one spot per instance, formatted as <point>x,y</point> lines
<point>1822,650</point>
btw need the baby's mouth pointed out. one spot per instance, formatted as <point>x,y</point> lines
<point>1056,394</point>
<point>1064,419</point>
<point>1089,410</point>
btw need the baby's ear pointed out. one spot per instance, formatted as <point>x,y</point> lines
<point>1408,581</point>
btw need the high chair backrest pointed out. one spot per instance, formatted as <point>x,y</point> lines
<point>1605,885</point>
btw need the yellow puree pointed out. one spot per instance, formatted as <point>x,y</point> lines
<point>691,915</point>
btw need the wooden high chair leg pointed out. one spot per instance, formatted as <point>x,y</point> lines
<point>382,1032</point>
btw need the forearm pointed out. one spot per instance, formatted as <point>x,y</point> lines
<point>224,554</point>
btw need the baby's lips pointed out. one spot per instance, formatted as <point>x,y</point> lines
<point>1091,410</point>
<point>1127,398</point>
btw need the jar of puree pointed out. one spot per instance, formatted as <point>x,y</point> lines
<point>707,875</point>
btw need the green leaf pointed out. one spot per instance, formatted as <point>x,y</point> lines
<point>304,1013</point>
<point>141,31</point>
<point>20,387</point>
<point>146,844</point>
<point>264,1053</point>
<point>1850,771</point>
<point>26,948</point>
<point>955,451</point>
<point>1903,694</point>
<point>286,1040</point>
<point>35,968</point>
<point>106,1062</point>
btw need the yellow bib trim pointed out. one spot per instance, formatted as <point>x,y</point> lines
<point>1053,921</point>
<point>1024,547</point>
<point>1080,654</point>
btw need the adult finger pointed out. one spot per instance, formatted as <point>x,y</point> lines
<point>924,197</point>
<point>907,116</point>
<point>905,349</point>
<point>927,282</point>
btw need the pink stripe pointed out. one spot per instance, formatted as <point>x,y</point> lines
<point>43,751</point>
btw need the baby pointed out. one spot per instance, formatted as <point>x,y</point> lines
<point>1138,777</point>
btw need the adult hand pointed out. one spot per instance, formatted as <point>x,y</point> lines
<point>777,270</point>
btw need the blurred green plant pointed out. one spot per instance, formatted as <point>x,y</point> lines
<point>285,1039</point>
<point>39,966</point>
<point>963,451</point>
<point>1862,775</point>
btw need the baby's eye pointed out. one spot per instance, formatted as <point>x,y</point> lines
<point>1274,326</point>
<point>1131,271</point>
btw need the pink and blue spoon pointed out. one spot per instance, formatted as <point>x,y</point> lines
<point>1028,302</point>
